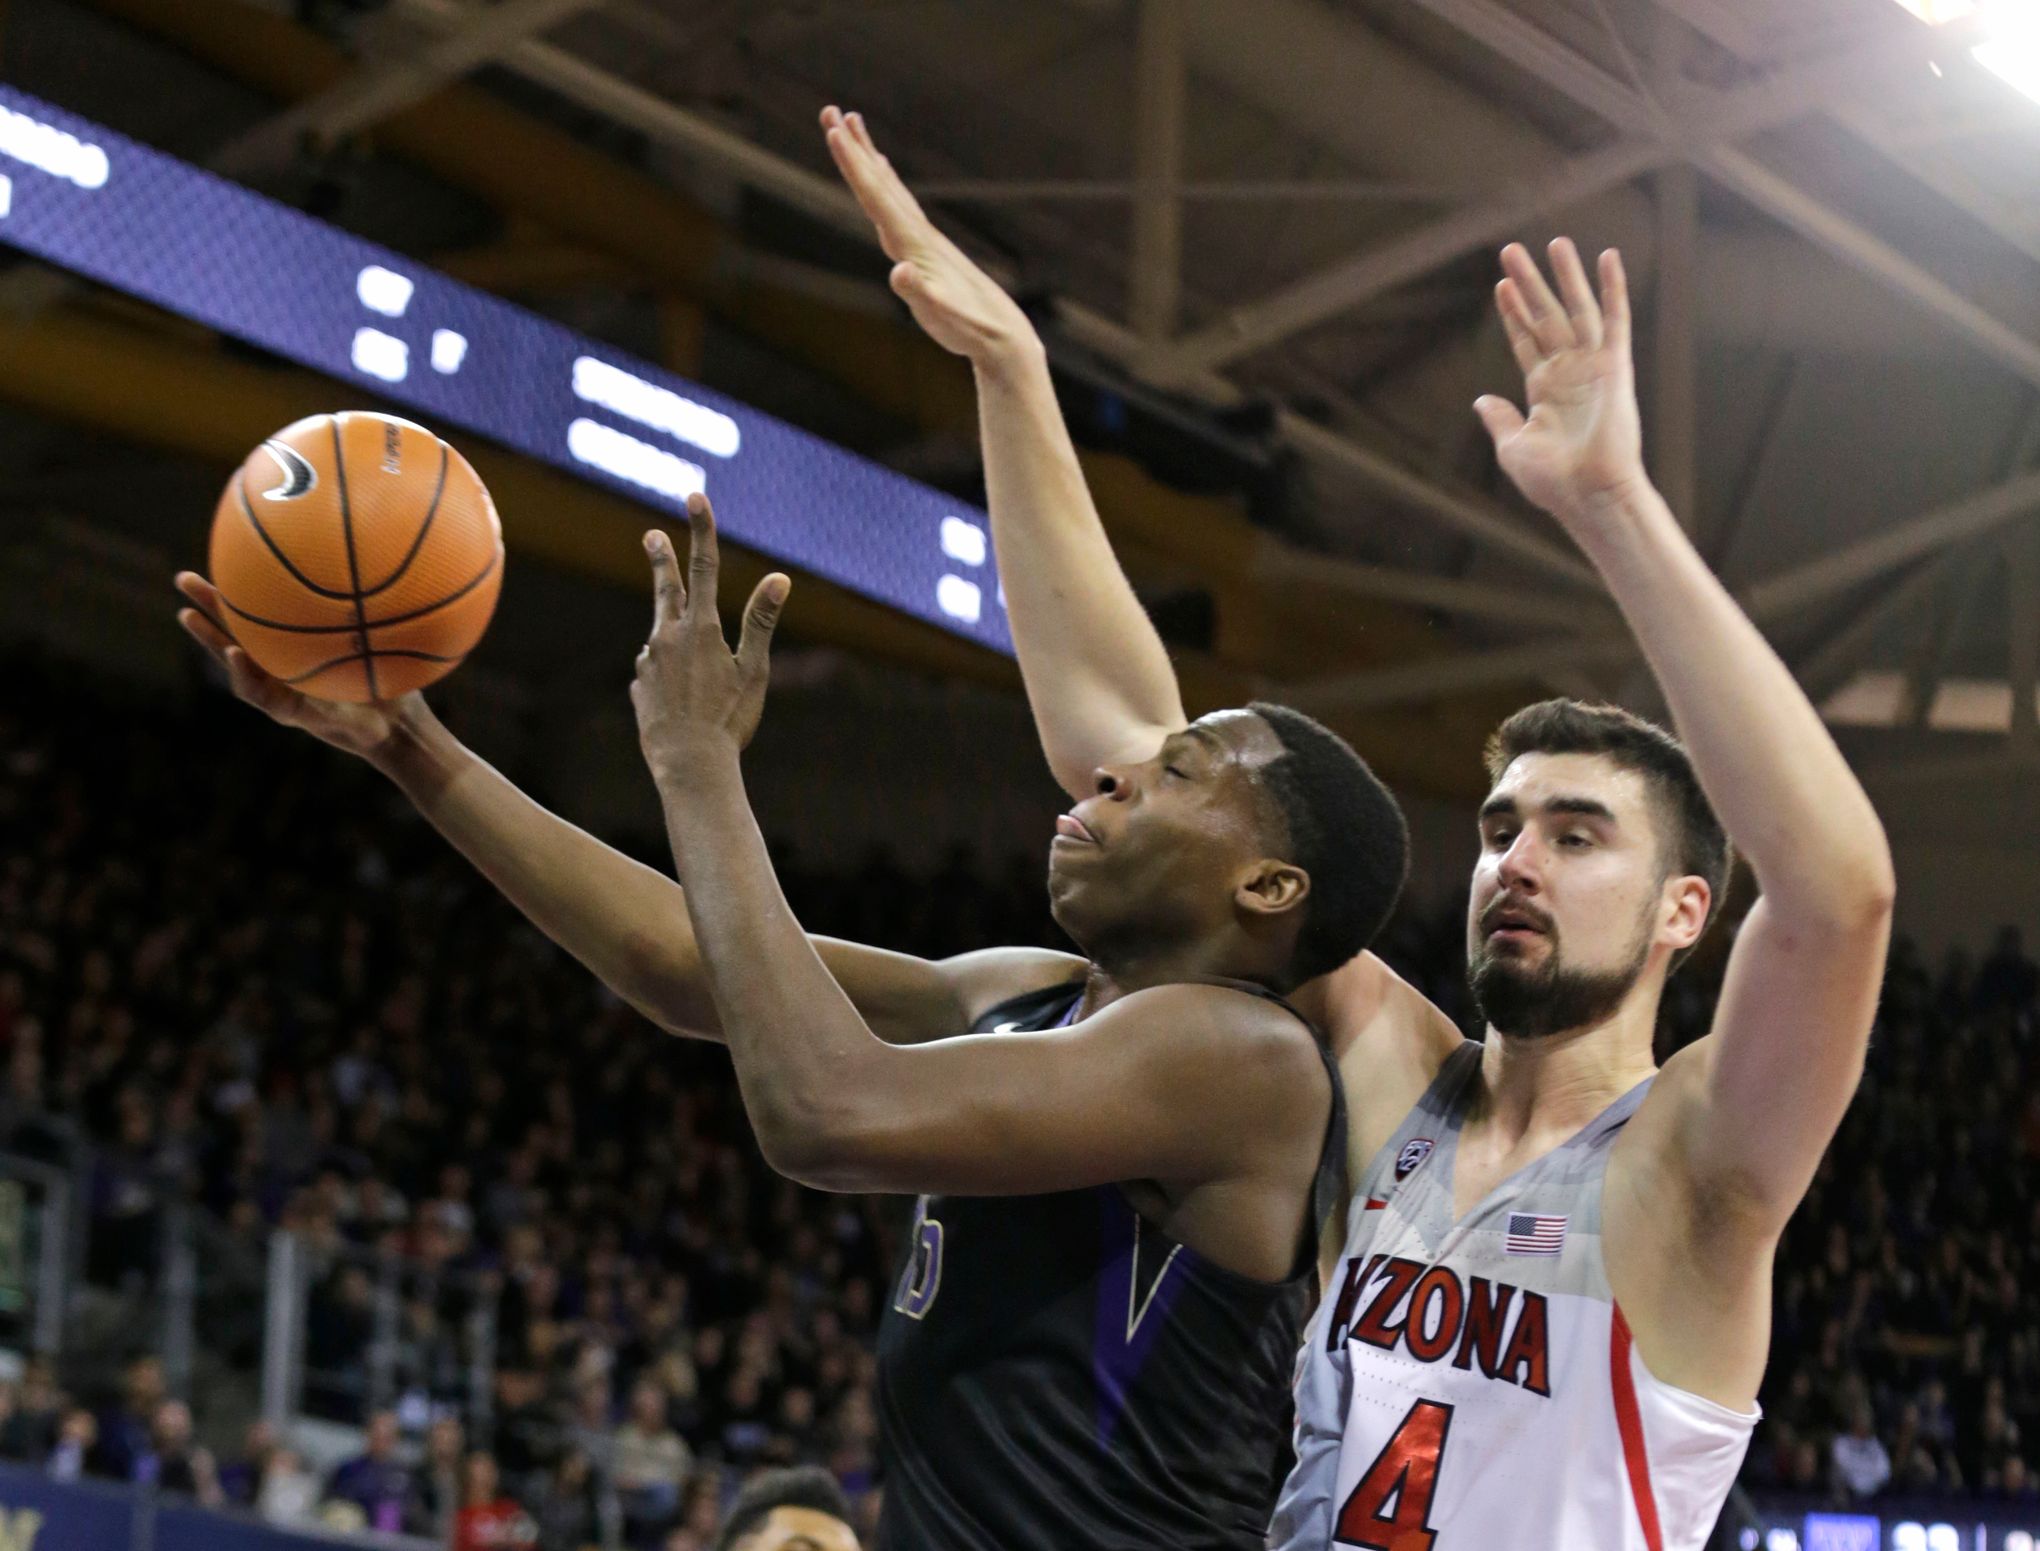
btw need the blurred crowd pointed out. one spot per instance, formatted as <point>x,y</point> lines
<point>552,1279</point>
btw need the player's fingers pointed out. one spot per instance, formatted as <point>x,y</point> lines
<point>205,599</point>
<point>902,209</point>
<point>1615,298</point>
<point>761,618</point>
<point>202,629</point>
<point>862,178</point>
<point>703,561</point>
<point>1580,305</point>
<point>669,593</point>
<point>1522,343</point>
<point>251,684</point>
<point>1541,310</point>
<point>1502,419</point>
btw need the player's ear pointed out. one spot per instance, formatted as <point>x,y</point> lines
<point>1686,901</point>
<point>1271,888</point>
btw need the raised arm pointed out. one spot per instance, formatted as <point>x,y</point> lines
<point>1179,1084</point>
<point>625,922</point>
<point>1765,1093</point>
<point>1097,675</point>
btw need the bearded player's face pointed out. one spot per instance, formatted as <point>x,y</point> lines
<point>1571,898</point>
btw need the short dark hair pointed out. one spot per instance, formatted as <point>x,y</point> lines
<point>804,1486</point>
<point>1345,829</point>
<point>1692,839</point>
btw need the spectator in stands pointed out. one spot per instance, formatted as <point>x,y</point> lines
<point>76,1437</point>
<point>1859,1463</point>
<point>377,1481</point>
<point>287,1494</point>
<point>241,1479</point>
<point>566,1512</point>
<point>700,1513</point>
<point>649,1463</point>
<point>122,1452</point>
<point>489,1520</point>
<point>181,1466</point>
<point>789,1510</point>
<point>30,1431</point>
<point>436,1486</point>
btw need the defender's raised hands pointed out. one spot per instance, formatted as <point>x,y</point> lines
<point>957,304</point>
<point>695,699</point>
<point>1582,442</point>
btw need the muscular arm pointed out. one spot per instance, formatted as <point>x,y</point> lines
<point>1786,1050</point>
<point>625,922</point>
<point>1097,675</point>
<point>1186,1085</point>
<point>628,923</point>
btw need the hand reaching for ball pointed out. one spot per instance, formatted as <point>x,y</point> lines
<point>362,729</point>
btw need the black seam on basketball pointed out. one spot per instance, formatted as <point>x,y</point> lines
<point>304,581</point>
<point>366,658</point>
<point>353,566</point>
<point>374,624</point>
<point>424,528</point>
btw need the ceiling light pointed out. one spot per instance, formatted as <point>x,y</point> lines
<point>2011,46</point>
<point>1935,12</point>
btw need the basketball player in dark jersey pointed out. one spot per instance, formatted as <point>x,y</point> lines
<point>1124,1159</point>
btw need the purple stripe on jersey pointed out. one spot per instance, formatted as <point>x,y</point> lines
<point>1138,1281</point>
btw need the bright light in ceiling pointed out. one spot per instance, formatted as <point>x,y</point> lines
<point>2012,48</point>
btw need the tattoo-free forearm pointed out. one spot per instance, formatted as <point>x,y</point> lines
<point>625,922</point>
<point>807,1063</point>
<point>1097,675</point>
<point>1782,789</point>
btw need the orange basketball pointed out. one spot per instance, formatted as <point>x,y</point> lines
<point>357,556</point>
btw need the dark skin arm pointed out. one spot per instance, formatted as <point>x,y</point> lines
<point>626,922</point>
<point>1194,1087</point>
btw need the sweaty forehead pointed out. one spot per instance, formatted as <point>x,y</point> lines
<point>1535,781</point>
<point>1245,738</point>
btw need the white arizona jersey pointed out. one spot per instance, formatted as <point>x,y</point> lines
<point>1471,1385</point>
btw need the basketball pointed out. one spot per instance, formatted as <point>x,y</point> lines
<point>357,556</point>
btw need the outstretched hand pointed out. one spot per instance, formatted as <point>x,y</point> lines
<point>365,730</point>
<point>957,304</point>
<point>696,701</point>
<point>1582,441</point>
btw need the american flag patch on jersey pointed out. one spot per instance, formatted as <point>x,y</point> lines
<point>1530,1234</point>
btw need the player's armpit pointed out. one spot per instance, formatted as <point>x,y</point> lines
<point>1183,1084</point>
<point>905,1000</point>
<point>911,1001</point>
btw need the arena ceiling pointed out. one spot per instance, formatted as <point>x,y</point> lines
<point>1268,227</point>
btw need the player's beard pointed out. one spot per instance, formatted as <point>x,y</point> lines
<point>1535,1003</point>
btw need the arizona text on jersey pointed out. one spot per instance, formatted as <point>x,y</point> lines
<point>1472,1384</point>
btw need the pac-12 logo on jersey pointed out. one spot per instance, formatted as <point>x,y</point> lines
<point>1414,1152</point>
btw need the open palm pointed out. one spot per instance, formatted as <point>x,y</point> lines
<point>957,304</point>
<point>364,730</point>
<point>1582,440</point>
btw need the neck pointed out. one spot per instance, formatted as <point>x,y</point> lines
<point>1555,1084</point>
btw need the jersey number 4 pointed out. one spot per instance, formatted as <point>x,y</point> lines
<point>1390,1509</point>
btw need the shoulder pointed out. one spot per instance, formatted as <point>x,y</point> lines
<point>1254,1047</point>
<point>1390,1042</point>
<point>1363,1004</point>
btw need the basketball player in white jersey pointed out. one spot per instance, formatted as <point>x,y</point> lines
<point>1546,1323</point>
